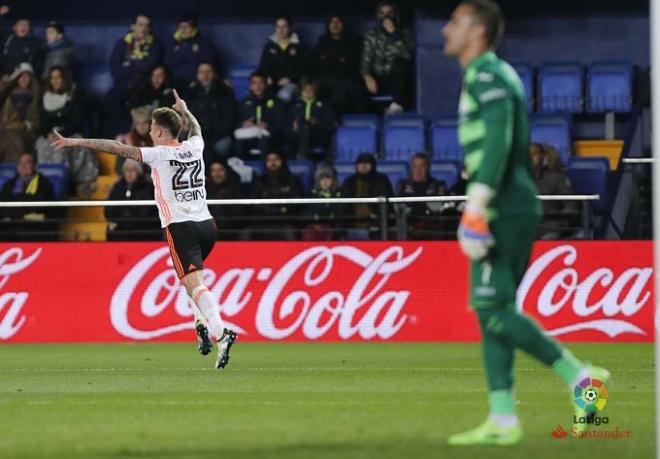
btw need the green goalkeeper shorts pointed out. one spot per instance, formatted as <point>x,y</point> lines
<point>495,279</point>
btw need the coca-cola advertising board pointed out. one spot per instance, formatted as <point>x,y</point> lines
<point>283,291</point>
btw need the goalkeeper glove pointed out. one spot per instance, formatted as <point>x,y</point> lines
<point>474,234</point>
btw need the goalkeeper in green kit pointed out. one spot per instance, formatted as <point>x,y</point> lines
<point>500,219</point>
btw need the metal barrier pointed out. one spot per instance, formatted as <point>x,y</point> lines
<point>384,203</point>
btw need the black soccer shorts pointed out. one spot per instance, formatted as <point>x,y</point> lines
<point>190,243</point>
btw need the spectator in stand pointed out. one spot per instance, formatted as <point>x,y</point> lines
<point>260,119</point>
<point>367,182</point>
<point>154,94</point>
<point>21,223</point>
<point>335,61</point>
<point>20,114</point>
<point>282,60</point>
<point>135,223</point>
<point>386,63</point>
<point>224,183</point>
<point>420,183</point>
<point>325,217</point>
<point>21,46</point>
<point>187,51</point>
<point>62,110</point>
<point>551,179</point>
<point>138,136</point>
<point>276,182</point>
<point>131,61</point>
<point>58,51</point>
<point>312,123</point>
<point>213,104</point>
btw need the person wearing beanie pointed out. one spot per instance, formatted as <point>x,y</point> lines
<point>325,218</point>
<point>58,50</point>
<point>367,182</point>
<point>188,48</point>
<point>135,223</point>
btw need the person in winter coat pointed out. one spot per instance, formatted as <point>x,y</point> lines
<point>312,123</point>
<point>213,104</point>
<point>224,183</point>
<point>276,182</point>
<point>334,62</point>
<point>138,136</point>
<point>367,182</point>
<point>386,63</point>
<point>135,223</point>
<point>282,60</point>
<point>326,218</point>
<point>58,50</point>
<point>20,114</point>
<point>21,46</point>
<point>188,49</point>
<point>260,120</point>
<point>156,93</point>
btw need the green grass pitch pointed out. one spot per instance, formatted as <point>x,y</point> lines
<point>298,401</point>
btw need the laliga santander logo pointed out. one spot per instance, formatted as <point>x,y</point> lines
<point>380,311</point>
<point>13,261</point>
<point>626,294</point>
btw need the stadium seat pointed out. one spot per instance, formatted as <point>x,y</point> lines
<point>95,79</point>
<point>239,77</point>
<point>344,169</point>
<point>609,87</point>
<point>444,139</point>
<point>555,130</point>
<point>405,119</point>
<point>446,171</point>
<point>58,175</point>
<point>560,87</point>
<point>526,73</point>
<point>395,170</point>
<point>361,119</point>
<point>590,176</point>
<point>7,171</point>
<point>401,142</point>
<point>353,140</point>
<point>305,170</point>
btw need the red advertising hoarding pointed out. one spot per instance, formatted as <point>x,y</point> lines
<point>283,291</point>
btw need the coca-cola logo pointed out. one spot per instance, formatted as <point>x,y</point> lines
<point>13,261</point>
<point>312,307</point>
<point>612,298</point>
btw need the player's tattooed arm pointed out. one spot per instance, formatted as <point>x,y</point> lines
<point>108,146</point>
<point>189,120</point>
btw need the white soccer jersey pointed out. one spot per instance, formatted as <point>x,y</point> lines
<point>178,176</point>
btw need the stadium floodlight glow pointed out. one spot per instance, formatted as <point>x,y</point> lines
<point>655,139</point>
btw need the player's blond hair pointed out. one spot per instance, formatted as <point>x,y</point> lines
<point>167,119</point>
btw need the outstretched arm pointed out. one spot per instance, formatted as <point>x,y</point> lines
<point>189,119</point>
<point>107,146</point>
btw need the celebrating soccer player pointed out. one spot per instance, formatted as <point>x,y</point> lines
<point>177,170</point>
<point>500,218</point>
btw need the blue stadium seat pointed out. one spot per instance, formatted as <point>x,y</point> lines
<point>344,169</point>
<point>353,140</point>
<point>305,170</point>
<point>609,86</point>
<point>94,79</point>
<point>590,176</point>
<point>405,119</point>
<point>401,142</point>
<point>446,171</point>
<point>7,171</point>
<point>361,119</point>
<point>257,165</point>
<point>239,77</point>
<point>395,170</point>
<point>560,87</point>
<point>444,139</point>
<point>555,130</point>
<point>526,73</point>
<point>58,175</point>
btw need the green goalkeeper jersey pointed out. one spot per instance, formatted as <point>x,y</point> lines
<point>494,133</point>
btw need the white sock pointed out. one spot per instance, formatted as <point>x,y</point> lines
<point>504,420</point>
<point>209,309</point>
<point>197,316</point>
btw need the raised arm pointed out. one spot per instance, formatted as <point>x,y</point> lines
<point>189,119</point>
<point>107,146</point>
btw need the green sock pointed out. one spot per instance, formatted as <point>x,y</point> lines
<point>502,402</point>
<point>567,367</point>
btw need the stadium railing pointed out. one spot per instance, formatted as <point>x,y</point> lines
<point>391,221</point>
